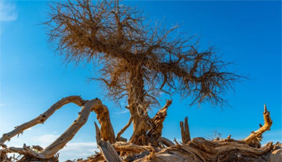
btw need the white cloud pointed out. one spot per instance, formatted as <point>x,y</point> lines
<point>78,150</point>
<point>7,11</point>
<point>2,104</point>
<point>73,150</point>
<point>45,139</point>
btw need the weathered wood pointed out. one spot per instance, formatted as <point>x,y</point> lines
<point>256,135</point>
<point>201,150</point>
<point>196,150</point>
<point>49,152</point>
<point>185,132</point>
<point>166,141</point>
<point>156,131</point>
<point>130,147</point>
<point>106,148</point>
<point>61,141</point>
<point>276,156</point>
<point>42,117</point>
<point>103,116</point>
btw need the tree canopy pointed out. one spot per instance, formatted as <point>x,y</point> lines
<point>136,57</point>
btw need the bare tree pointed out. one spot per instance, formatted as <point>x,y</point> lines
<point>138,60</point>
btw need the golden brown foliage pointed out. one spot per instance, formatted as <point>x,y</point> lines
<point>137,60</point>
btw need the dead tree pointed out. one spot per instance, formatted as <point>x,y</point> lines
<point>138,60</point>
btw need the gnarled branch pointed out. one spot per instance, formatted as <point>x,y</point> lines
<point>256,135</point>
<point>42,117</point>
<point>156,131</point>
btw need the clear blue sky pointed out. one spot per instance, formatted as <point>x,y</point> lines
<point>33,77</point>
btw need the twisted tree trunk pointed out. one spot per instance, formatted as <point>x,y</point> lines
<point>137,105</point>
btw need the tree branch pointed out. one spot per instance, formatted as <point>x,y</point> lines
<point>256,136</point>
<point>42,117</point>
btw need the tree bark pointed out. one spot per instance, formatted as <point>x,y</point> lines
<point>156,131</point>
<point>166,142</point>
<point>201,150</point>
<point>107,131</point>
<point>137,105</point>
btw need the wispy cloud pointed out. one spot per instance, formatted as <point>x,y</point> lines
<point>45,139</point>
<point>78,150</point>
<point>73,150</point>
<point>7,11</point>
<point>122,112</point>
<point>2,104</point>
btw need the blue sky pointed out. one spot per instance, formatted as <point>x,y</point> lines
<point>33,77</point>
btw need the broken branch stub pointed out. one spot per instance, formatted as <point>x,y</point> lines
<point>156,131</point>
<point>256,135</point>
<point>103,116</point>
<point>107,150</point>
<point>185,132</point>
